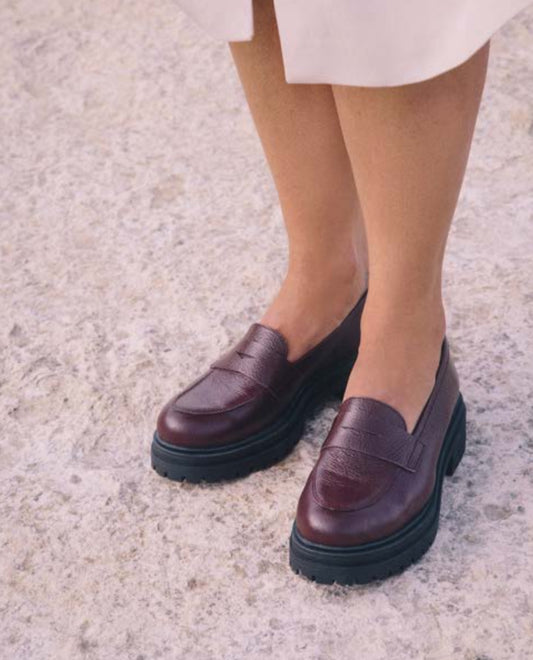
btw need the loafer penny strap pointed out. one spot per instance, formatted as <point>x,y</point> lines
<point>397,446</point>
<point>259,355</point>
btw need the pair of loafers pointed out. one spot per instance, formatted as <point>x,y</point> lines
<point>370,506</point>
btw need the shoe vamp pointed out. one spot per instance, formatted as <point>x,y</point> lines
<point>347,480</point>
<point>217,390</point>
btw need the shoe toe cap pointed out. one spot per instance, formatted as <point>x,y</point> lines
<point>205,428</point>
<point>175,427</point>
<point>334,514</point>
<point>190,429</point>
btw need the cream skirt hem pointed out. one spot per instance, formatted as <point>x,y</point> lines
<point>371,43</point>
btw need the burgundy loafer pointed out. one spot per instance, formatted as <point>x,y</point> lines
<point>371,504</point>
<point>247,411</point>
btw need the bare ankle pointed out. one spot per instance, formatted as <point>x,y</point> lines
<point>311,303</point>
<point>416,317</point>
<point>331,273</point>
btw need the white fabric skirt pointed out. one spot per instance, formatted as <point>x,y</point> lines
<point>364,42</point>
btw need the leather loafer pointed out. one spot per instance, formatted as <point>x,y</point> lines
<point>247,411</point>
<point>371,504</point>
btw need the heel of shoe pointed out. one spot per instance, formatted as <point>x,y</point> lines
<point>338,388</point>
<point>339,378</point>
<point>458,431</point>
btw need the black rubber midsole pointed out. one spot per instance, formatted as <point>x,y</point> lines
<point>388,548</point>
<point>293,415</point>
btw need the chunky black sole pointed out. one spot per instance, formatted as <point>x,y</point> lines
<point>259,451</point>
<point>380,559</point>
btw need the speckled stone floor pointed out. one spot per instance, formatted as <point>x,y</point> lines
<point>140,235</point>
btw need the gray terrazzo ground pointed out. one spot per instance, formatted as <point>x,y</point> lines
<point>140,236</point>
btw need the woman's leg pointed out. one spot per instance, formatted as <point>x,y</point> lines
<point>303,143</point>
<point>408,148</point>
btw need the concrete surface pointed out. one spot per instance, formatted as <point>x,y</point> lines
<point>140,235</point>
